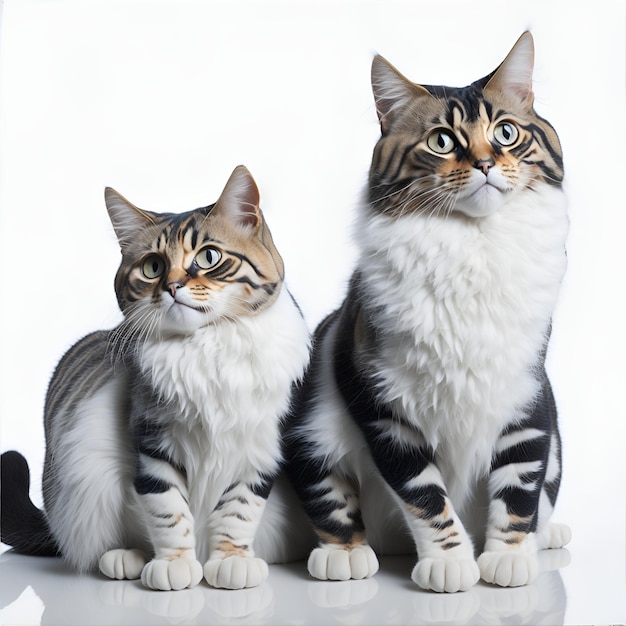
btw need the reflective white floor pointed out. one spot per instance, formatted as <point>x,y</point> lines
<point>43,591</point>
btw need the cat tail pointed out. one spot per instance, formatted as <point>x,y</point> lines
<point>22,525</point>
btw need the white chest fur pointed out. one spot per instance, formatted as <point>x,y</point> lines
<point>225,389</point>
<point>464,306</point>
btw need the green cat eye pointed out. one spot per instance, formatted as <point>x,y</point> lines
<point>207,258</point>
<point>153,266</point>
<point>506,133</point>
<point>441,142</point>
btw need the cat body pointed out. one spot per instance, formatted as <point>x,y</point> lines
<point>426,414</point>
<point>163,435</point>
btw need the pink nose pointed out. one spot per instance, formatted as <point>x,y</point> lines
<point>173,286</point>
<point>484,165</point>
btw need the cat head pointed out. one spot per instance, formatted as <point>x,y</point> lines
<point>180,272</point>
<point>468,149</point>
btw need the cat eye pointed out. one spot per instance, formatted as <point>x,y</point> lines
<point>441,142</point>
<point>153,266</point>
<point>506,133</point>
<point>207,258</point>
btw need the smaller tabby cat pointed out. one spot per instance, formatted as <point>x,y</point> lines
<point>163,434</point>
<point>426,405</point>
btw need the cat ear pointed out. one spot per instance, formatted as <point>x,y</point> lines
<point>240,199</point>
<point>515,74</point>
<point>392,91</point>
<point>128,220</point>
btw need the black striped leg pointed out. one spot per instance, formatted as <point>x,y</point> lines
<point>162,496</point>
<point>445,552</point>
<point>516,482</point>
<point>162,493</point>
<point>332,503</point>
<point>551,534</point>
<point>232,527</point>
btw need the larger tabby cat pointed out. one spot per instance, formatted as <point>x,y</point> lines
<point>163,435</point>
<point>426,405</point>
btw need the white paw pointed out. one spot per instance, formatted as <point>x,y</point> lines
<point>554,536</point>
<point>235,572</point>
<point>358,563</point>
<point>123,564</point>
<point>447,575</point>
<point>176,574</point>
<point>508,568</point>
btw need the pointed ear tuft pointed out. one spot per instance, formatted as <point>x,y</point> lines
<point>392,91</point>
<point>240,199</point>
<point>515,74</point>
<point>128,220</point>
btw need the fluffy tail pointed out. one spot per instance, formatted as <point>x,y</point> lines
<point>23,526</point>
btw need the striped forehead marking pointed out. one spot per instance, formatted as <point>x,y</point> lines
<point>457,124</point>
<point>482,112</point>
<point>185,233</point>
<point>457,116</point>
<point>190,236</point>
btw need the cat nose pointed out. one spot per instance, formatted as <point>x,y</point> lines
<point>484,165</point>
<point>173,285</point>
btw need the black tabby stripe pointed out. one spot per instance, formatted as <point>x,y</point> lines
<point>263,487</point>
<point>84,368</point>
<point>399,161</point>
<point>306,470</point>
<point>553,171</point>
<point>307,476</point>
<point>334,512</point>
<point>247,260</point>
<point>145,483</point>
<point>522,501</point>
<point>398,465</point>
<point>540,133</point>
<point>398,462</point>
<point>149,438</point>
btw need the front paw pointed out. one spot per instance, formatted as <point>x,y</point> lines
<point>337,564</point>
<point>445,575</point>
<point>235,572</point>
<point>554,536</point>
<point>123,564</point>
<point>168,575</point>
<point>508,568</point>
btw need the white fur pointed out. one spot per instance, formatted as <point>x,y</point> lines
<point>229,385</point>
<point>464,306</point>
<point>517,437</point>
<point>511,475</point>
<point>94,467</point>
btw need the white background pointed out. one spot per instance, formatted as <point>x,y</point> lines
<point>161,99</point>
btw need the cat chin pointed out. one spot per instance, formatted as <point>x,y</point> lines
<point>180,319</point>
<point>483,196</point>
<point>483,202</point>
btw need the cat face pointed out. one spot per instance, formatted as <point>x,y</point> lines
<point>466,150</point>
<point>180,272</point>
